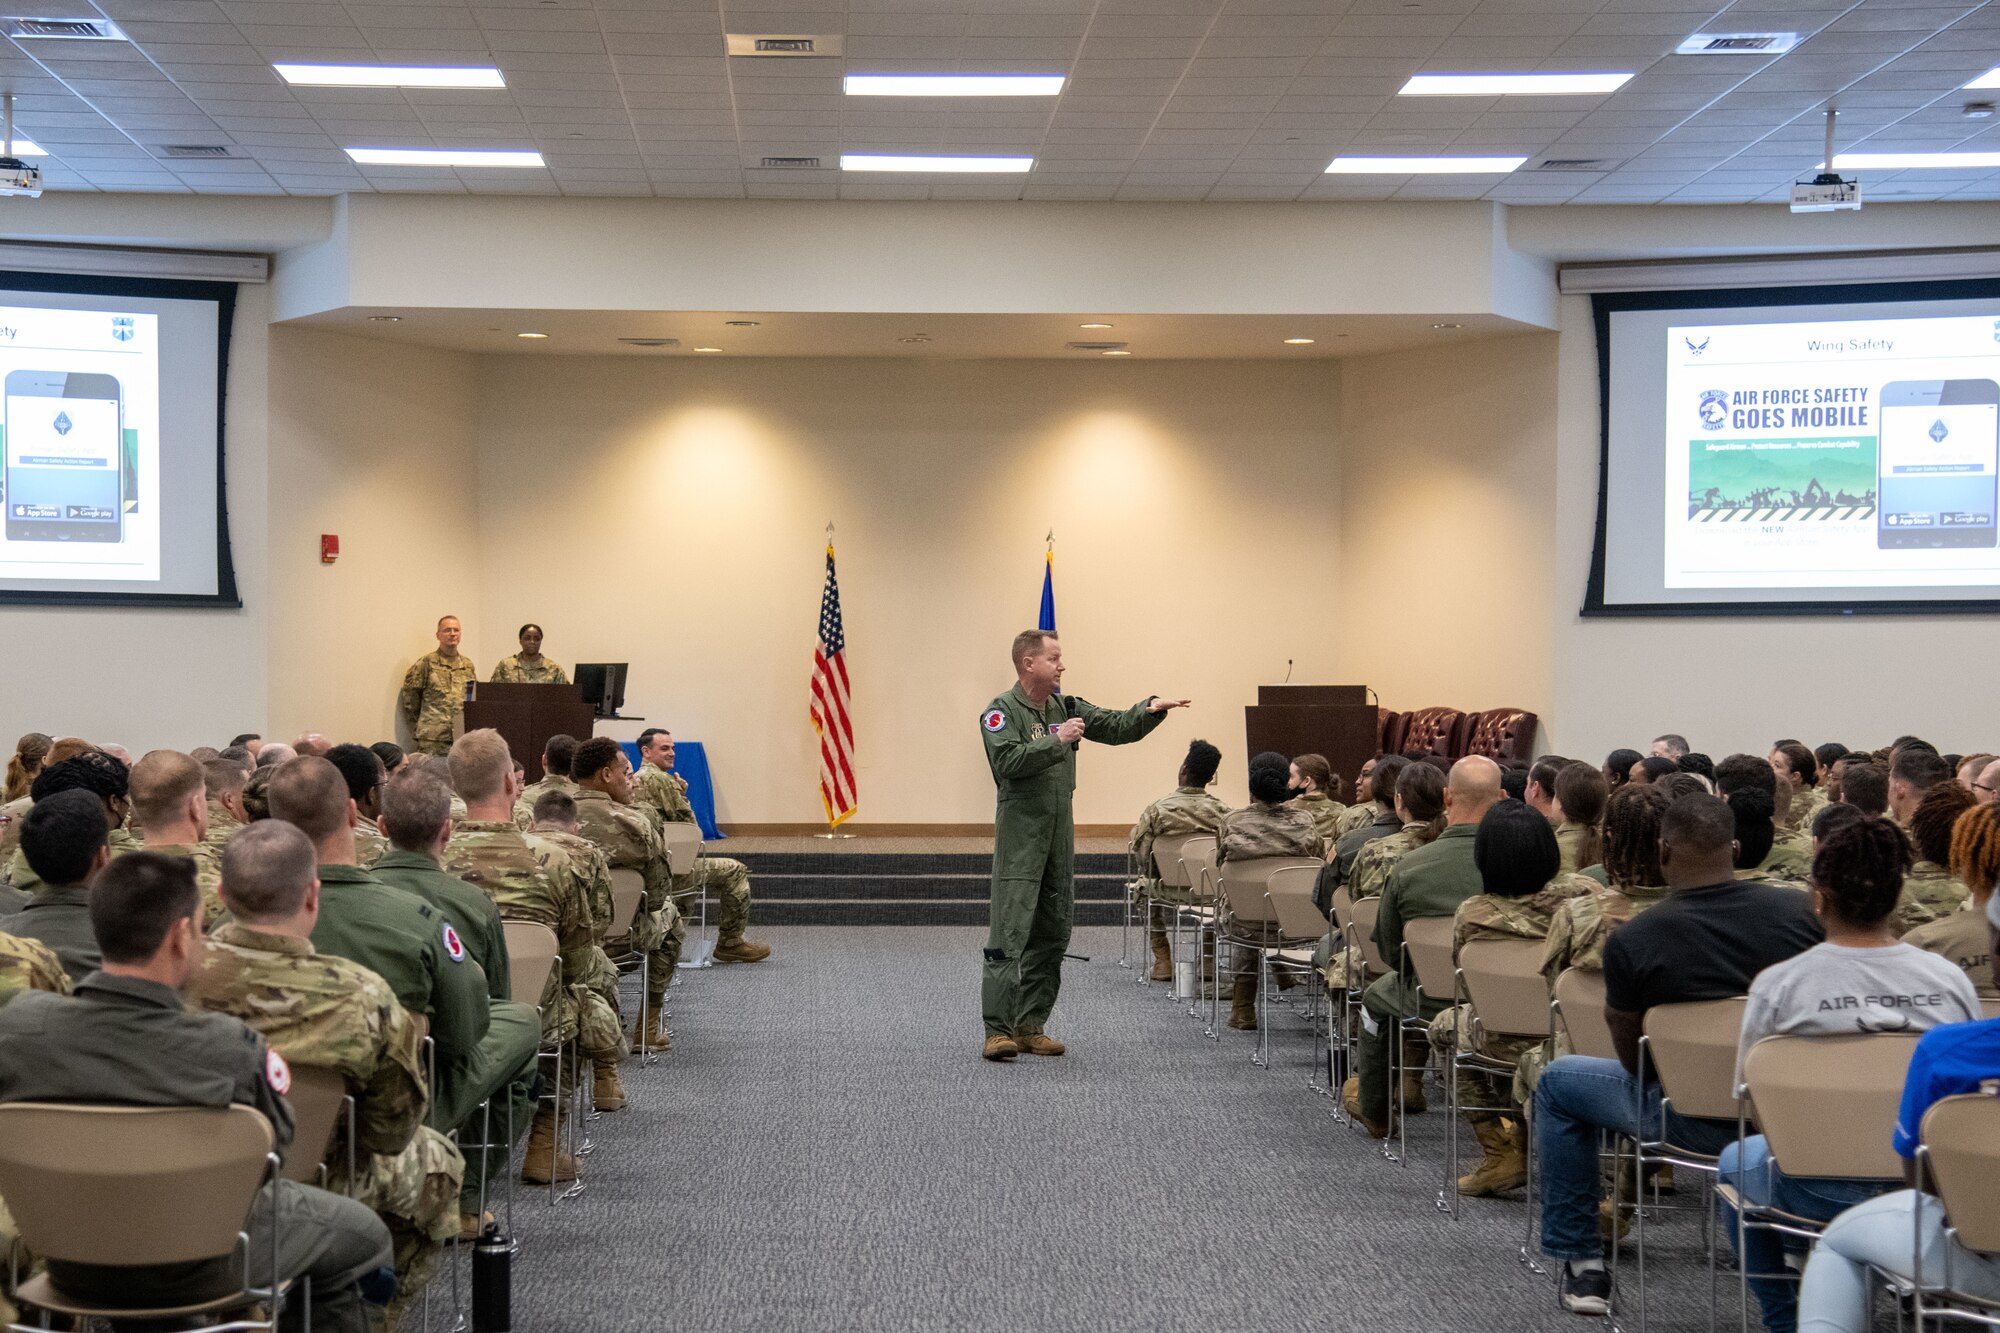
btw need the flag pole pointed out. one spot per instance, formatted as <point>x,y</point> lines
<point>833,832</point>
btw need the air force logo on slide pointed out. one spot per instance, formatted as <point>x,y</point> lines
<point>1714,409</point>
<point>994,719</point>
<point>453,945</point>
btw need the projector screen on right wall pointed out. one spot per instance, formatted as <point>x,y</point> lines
<point>1799,450</point>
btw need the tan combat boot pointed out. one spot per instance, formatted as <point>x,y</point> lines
<point>607,1091</point>
<point>1163,957</point>
<point>650,1033</point>
<point>1505,1167</point>
<point>1350,1101</point>
<point>740,950</point>
<point>1038,1043</point>
<point>543,1162</point>
<point>1243,1004</point>
<point>999,1046</point>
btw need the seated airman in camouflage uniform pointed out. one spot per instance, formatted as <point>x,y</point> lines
<point>1188,809</point>
<point>1750,786</point>
<point>224,779</point>
<point>662,795</point>
<point>1799,795</point>
<point>629,840</point>
<point>1418,800</point>
<point>169,793</point>
<point>556,755</point>
<point>319,1011</point>
<point>29,965</point>
<point>1318,795</point>
<point>365,774</point>
<point>556,822</point>
<point>1264,828</point>
<point>1930,891</point>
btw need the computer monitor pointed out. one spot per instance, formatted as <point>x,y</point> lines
<point>603,686</point>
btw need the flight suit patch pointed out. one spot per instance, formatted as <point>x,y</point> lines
<point>994,719</point>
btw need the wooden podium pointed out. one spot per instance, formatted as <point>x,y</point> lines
<point>1333,720</point>
<point>527,715</point>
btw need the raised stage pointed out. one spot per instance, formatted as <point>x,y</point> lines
<point>902,881</point>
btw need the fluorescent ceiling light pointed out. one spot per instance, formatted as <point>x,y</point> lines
<point>391,76</point>
<point>1738,44</point>
<point>911,162</point>
<point>954,85</point>
<point>1905,161</point>
<point>1423,166</point>
<point>22,148</point>
<point>445,157</point>
<point>1990,79</point>
<point>1505,85</point>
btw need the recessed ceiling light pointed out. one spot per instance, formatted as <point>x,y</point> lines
<point>913,162</point>
<point>1115,352</point>
<point>1447,326</point>
<point>445,157</point>
<point>1093,326</point>
<point>531,335</point>
<point>391,76</point>
<point>1298,342</point>
<point>22,148</point>
<point>954,85</point>
<point>1990,79</point>
<point>708,349</point>
<point>1738,44</point>
<point>1913,161</point>
<point>742,323</point>
<point>385,319</point>
<point>1511,85</point>
<point>1423,166</point>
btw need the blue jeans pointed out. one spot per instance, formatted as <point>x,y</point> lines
<point>1579,1095</point>
<point>1748,1166</point>
<point>1833,1298</point>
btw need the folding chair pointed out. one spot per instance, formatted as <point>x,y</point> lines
<point>1827,1106</point>
<point>683,850</point>
<point>534,969</point>
<point>1171,889</point>
<point>1364,964</point>
<point>1248,924</point>
<point>1427,950</point>
<point>628,900</point>
<point>1300,928</point>
<point>321,1106</point>
<point>1502,982</point>
<point>1959,1151</point>
<point>1199,912</point>
<point>1340,914</point>
<point>124,1185</point>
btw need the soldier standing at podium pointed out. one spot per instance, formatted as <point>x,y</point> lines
<point>433,695</point>
<point>1031,734</point>
<point>529,667</point>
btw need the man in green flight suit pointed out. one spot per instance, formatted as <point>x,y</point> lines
<point>1032,732</point>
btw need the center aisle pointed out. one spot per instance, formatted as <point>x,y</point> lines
<point>823,1149</point>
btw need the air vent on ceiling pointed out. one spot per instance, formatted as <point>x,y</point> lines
<point>783,45</point>
<point>195,150</point>
<point>651,342</point>
<point>1575,164</point>
<point>790,163</point>
<point>1095,347</point>
<point>76,30</point>
<point>1762,43</point>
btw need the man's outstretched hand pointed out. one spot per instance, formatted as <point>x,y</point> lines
<point>1159,705</point>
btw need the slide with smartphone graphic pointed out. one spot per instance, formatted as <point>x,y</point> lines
<point>1834,454</point>
<point>79,467</point>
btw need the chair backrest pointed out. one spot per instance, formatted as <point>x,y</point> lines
<point>628,894</point>
<point>1961,1137</point>
<point>1361,934</point>
<point>1580,1000</point>
<point>1244,884</point>
<point>1343,907</point>
<point>683,845</point>
<point>1692,1047</point>
<point>1503,980</point>
<point>1828,1105</point>
<point>531,958</point>
<point>1427,944</point>
<point>131,1185</point>
<point>1169,864</point>
<point>1989,1006</point>
<point>1199,855</point>
<point>1291,896</point>
<point>318,1095</point>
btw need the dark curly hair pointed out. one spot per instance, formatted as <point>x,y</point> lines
<point>1861,869</point>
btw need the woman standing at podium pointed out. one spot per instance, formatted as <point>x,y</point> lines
<point>529,667</point>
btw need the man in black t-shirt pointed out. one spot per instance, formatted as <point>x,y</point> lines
<point>1711,936</point>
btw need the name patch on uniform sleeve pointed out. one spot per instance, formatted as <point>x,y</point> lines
<point>453,945</point>
<point>276,1072</point>
<point>994,719</point>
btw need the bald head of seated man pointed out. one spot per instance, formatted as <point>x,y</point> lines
<point>1472,789</point>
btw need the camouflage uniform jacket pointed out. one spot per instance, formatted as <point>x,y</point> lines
<point>1965,938</point>
<point>1259,830</point>
<point>29,965</point>
<point>10,826</point>
<point>1487,917</point>
<point>207,874</point>
<point>1370,872</point>
<point>1354,817</point>
<point>1582,923</point>
<point>1182,811</point>
<point>23,877</point>
<point>587,863</point>
<point>369,844</point>
<point>433,697</point>
<point>1569,840</point>
<point>1348,847</point>
<point>221,823</point>
<point>1929,892</point>
<point>524,807</point>
<point>628,839</point>
<point>518,671</point>
<point>1325,811</point>
<point>1787,863</point>
<point>1798,816</point>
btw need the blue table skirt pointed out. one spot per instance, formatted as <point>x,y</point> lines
<point>691,762</point>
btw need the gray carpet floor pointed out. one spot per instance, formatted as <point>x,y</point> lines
<point>823,1149</point>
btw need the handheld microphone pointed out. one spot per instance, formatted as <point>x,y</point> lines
<point>1069,711</point>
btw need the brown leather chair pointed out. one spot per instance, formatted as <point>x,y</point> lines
<point>1389,731</point>
<point>1428,732</point>
<point>1504,735</point>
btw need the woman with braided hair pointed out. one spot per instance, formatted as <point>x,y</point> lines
<point>1862,979</point>
<point>1962,937</point>
<point>1930,890</point>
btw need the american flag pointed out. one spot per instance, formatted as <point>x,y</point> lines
<point>830,701</point>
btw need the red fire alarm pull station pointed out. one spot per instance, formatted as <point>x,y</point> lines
<point>329,548</point>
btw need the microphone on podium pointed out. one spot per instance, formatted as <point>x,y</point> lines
<point>1288,672</point>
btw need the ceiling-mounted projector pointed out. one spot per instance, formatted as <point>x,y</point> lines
<point>1825,193</point>
<point>18,178</point>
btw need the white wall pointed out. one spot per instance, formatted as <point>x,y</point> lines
<point>672,515</point>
